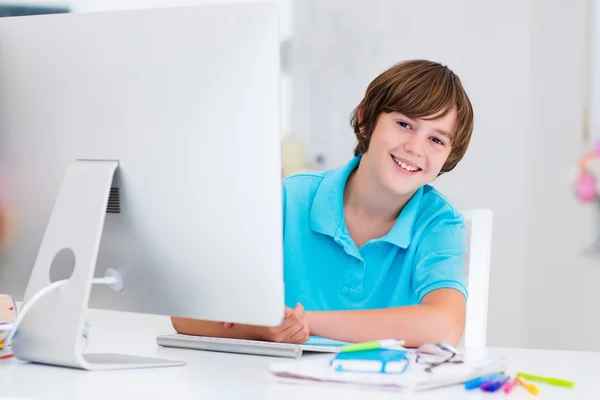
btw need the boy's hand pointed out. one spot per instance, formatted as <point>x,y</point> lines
<point>293,329</point>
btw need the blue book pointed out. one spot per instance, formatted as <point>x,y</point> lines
<point>390,361</point>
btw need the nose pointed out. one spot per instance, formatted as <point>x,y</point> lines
<point>415,146</point>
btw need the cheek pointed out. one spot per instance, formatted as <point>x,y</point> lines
<point>385,139</point>
<point>438,159</point>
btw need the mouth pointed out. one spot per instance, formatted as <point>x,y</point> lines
<point>406,166</point>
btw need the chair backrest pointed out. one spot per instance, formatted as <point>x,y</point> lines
<point>477,258</point>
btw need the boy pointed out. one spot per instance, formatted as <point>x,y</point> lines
<point>371,250</point>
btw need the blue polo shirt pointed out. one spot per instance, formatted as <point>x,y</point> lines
<point>324,270</point>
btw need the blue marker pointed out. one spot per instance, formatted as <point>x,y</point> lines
<point>495,384</point>
<point>475,383</point>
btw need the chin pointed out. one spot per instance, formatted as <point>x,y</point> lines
<point>403,190</point>
<point>401,185</point>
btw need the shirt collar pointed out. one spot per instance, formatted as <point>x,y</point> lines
<point>402,231</point>
<point>327,211</point>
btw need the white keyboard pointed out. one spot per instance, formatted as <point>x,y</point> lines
<point>243,346</point>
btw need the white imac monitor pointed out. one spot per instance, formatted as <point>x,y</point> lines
<point>146,142</point>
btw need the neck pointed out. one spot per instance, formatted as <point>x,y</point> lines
<point>362,194</point>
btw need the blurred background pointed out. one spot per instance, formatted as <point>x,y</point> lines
<point>532,71</point>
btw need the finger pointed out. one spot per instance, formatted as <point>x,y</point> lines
<point>300,336</point>
<point>303,337</point>
<point>294,333</point>
<point>293,319</point>
<point>293,324</point>
<point>283,335</point>
<point>299,309</point>
<point>276,333</point>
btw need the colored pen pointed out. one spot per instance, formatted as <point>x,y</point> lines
<point>495,384</point>
<point>508,386</point>
<point>551,381</point>
<point>531,388</point>
<point>376,344</point>
<point>477,382</point>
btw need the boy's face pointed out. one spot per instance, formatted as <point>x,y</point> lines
<point>407,153</point>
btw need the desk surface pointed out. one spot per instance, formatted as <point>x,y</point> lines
<point>210,375</point>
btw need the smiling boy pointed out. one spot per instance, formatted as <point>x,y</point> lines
<point>371,250</point>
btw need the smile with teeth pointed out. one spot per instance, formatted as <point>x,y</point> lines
<point>404,166</point>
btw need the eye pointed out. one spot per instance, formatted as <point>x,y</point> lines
<point>405,125</point>
<point>437,141</point>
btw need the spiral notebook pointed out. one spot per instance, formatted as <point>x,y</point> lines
<point>318,370</point>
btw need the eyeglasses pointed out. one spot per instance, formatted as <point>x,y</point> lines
<point>437,354</point>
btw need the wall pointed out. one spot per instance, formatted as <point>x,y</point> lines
<point>521,62</point>
<point>561,281</point>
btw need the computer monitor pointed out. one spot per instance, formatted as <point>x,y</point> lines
<point>146,142</point>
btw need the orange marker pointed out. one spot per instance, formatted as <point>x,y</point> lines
<point>531,388</point>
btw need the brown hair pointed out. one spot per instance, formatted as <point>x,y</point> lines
<point>417,89</point>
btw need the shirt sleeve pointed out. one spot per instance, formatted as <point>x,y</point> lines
<point>439,261</point>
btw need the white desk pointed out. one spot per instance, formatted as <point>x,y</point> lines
<point>210,375</point>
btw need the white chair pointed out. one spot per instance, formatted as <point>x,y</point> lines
<point>477,257</point>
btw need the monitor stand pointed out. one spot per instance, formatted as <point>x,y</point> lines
<point>52,331</point>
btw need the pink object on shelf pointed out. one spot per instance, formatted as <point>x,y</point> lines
<point>597,148</point>
<point>586,187</point>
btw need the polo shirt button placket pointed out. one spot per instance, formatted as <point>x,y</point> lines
<point>360,263</point>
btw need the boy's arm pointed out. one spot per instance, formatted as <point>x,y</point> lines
<point>439,317</point>
<point>293,329</point>
<point>439,286</point>
<point>196,327</point>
